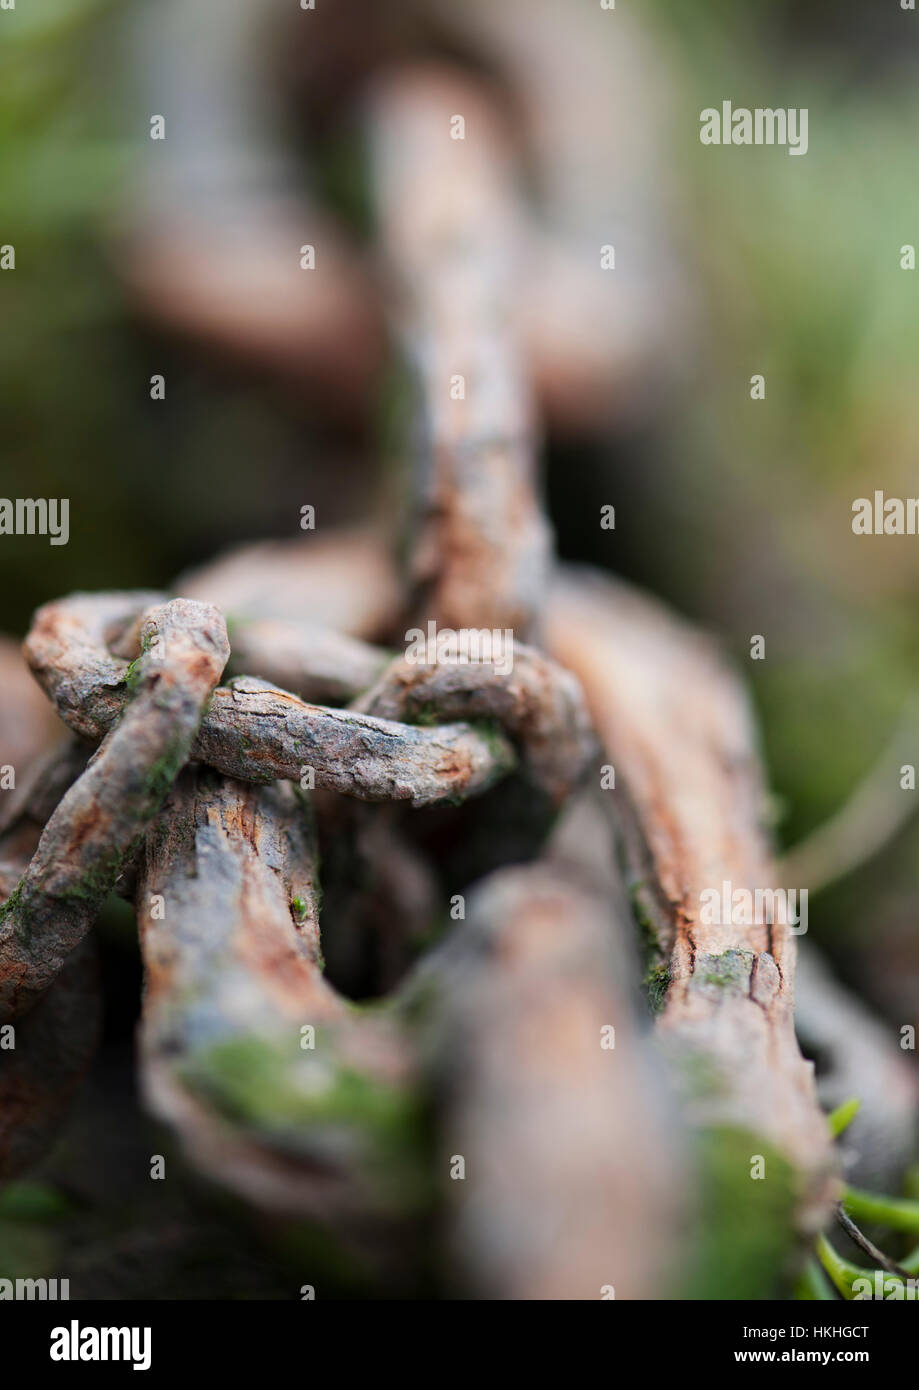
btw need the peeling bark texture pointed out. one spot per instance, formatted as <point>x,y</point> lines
<point>316,663</point>
<point>85,842</point>
<point>858,1057</point>
<point>676,725</point>
<point>450,232</point>
<point>68,651</point>
<point>233,977</point>
<point>573,1175</point>
<point>538,704</point>
<point>252,730</point>
<point>55,1043</point>
<point>343,580</point>
<point>260,734</point>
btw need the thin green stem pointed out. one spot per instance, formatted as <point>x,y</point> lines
<point>840,1118</point>
<point>897,1212</point>
<point>842,1272</point>
<point>812,1284</point>
<point>844,1275</point>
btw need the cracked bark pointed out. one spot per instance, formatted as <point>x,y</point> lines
<point>574,1173</point>
<point>55,1042</point>
<point>234,975</point>
<point>450,233</point>
<point>537,703</point>
<point>83,845</point>
<point>689,797</point>
<point>252,730</point>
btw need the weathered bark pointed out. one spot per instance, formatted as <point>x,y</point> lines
<point>255,732</point>
<point>677,728</point>
<point>573,1175</point>
<point>44,1056</point>
<point>450,234</point>
<point>228,913</point>
<point>68,648</point>
<point>85,842</point>
<point>538,704</point>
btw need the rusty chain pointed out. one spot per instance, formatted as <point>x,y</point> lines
<point>140,677</point>
<point>220,736</point>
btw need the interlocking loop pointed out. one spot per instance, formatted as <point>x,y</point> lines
<point>276,1084</point>
<point>254,731</point>
<point>84,844</point>
<point>224,871</point>
<point>164,708</point>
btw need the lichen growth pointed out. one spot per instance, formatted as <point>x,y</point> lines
<point>424,713</point>
<point>135,669</point>
<point>657,973</point>
<point>132,675</point>
<point>15,903</point>
<point>730,970</point>
<point>657,982</point>
<point>161,773</point>
<point>298,1100</point>
<point>95,882</point>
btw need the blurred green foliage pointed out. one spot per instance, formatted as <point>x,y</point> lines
<point>797,265</point>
